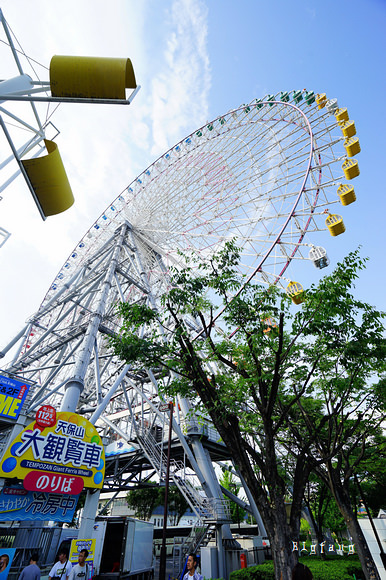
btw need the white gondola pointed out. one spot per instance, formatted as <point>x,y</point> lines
<point>319,257</point>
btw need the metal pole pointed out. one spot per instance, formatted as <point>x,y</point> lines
<point>162,564</point>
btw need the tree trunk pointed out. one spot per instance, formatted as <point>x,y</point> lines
<point>343,501</point>
<point>284,558</point>
<point>271,503</point>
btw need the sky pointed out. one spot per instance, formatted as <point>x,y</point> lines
<point>194,60</point>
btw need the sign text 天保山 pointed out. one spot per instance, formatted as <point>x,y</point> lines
<point>55,458</point>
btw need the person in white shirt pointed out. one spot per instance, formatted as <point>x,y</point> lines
<point>80,570</point>
<point>191,565</point>
<point>62,568</point>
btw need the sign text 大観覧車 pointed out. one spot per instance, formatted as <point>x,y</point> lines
<point>57,459</point>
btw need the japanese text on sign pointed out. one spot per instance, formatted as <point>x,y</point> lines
<point>61,449</point>
<point>20,504</point>
<point>71,448</point>
<point>46,416</point>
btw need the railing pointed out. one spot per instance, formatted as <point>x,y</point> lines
<point>45,542</point>
<point>206,509</point>
<point>199,536</point>
<point>202,427</point>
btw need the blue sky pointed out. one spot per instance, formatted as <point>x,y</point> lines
<point>195,60</point>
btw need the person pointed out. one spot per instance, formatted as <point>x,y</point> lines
<point>191,566</point>
<point>4,561</point>
<point>32,571</point>
<point>80,571</point>
<point>301,572</point>
<point>62,568</point>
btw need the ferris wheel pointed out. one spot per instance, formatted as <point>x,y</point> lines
<point>268,174</point>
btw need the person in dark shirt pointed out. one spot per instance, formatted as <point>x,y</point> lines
<point>32,571</point>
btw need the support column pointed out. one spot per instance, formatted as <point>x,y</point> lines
<point>75,385</point>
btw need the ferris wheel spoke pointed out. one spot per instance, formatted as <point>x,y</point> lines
<point>264,174</point>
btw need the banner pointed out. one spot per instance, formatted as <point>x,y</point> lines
<point>78,545</point>
<point>18,504</point>
<point>62,457</point>
<point>13,393</point>
<point>6,557</point>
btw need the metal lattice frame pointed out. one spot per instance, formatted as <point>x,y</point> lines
<point>264,173</point>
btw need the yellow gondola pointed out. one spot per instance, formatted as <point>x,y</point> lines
<point>346,194</point>
<point>348,129</point>
<point>350,168</point>
<point>352,146</point>
<point>321,100</point>
<point>341,115</point>
<point>295,292</point>
<point>335,224</point>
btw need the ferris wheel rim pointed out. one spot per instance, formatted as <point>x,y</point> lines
<point>170,151</point>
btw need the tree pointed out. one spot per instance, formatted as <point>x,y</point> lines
<point>372,479</point>
<point>177,504</point>
<point>143,501</point>
<point>228,482</point>
<point>262,379</point>
<point>347,335</point>
<point>323,510</point>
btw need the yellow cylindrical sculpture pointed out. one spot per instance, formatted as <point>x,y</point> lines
<point>49,180</point>
<point>348,129</point>
<point>352,146</point>
<point>89,77</point>
<point>350,168</point>
<point>335,224</point>
<point>341,115</point>
<point>295,291</point>
<point>346,194</point>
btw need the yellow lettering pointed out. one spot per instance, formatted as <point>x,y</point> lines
<point>5,403</point>
<point>14,407</point>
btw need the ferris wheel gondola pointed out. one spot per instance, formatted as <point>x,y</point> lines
<point>267,174</point>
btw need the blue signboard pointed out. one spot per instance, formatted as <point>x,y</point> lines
<point>13,393</point>
<point>6,557</point>
<point>19,504</point>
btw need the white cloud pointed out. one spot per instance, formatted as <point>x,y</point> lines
<point>181,91</point>
<point>103,147</point>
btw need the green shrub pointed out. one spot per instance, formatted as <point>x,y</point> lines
<point>330,569</point>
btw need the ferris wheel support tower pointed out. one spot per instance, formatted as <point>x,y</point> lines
<point>266,174</point>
